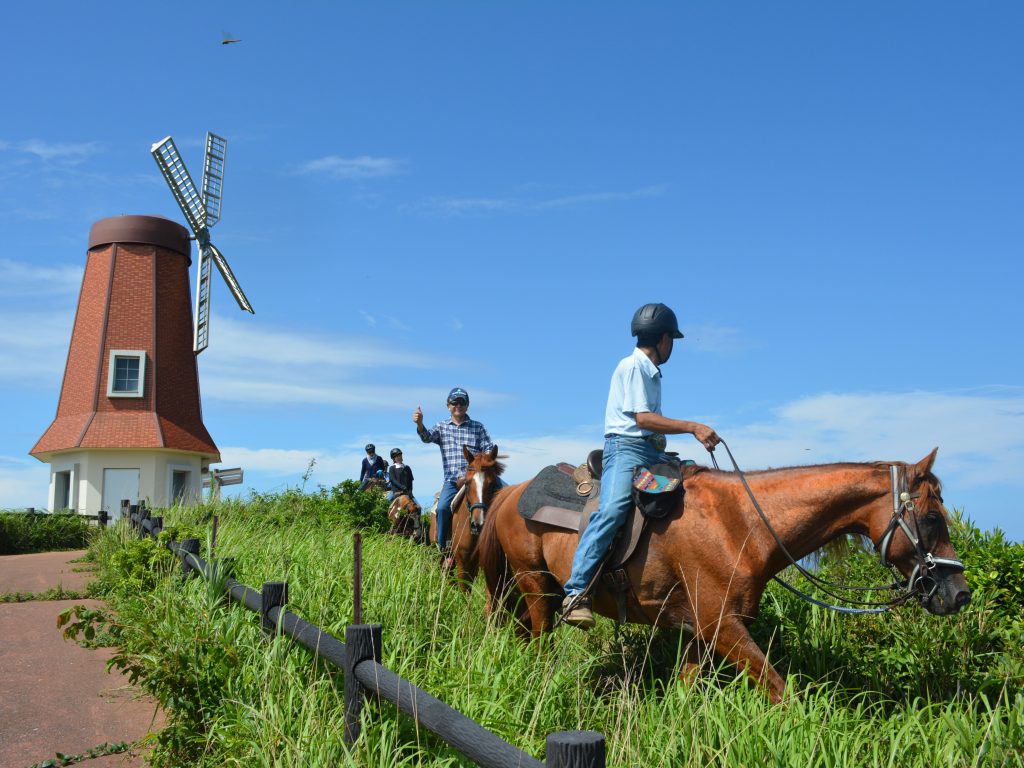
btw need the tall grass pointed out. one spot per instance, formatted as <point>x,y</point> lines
<point>25,532</point>
<point>236,697</point>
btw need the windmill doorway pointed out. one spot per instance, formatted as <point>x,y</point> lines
<point>119,484</point>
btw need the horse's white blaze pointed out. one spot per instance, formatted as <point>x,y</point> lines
<point>478,481</point>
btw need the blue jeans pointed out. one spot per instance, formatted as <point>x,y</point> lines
<point>444,512</point>
<point>622,455</point>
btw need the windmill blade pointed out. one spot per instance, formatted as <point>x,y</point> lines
<point>201,337</point>
<point>229,278</point>
<point>173,168</point>
<point>213,176</point>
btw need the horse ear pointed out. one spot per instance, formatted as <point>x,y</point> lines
<point>494,452</point>
<point>467,453</point>
<point>924,466</point>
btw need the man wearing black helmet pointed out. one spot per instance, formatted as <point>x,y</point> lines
<point>372,466</point>
<point>634,429</point>
<point>451,434</point>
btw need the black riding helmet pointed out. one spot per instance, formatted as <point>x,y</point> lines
<point>370,448</point>
<point>654,320</point>
<point>396,452</point>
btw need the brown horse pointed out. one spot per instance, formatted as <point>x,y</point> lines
<point>704,567</point>
<point>404,514</point>
<point>469,510</point>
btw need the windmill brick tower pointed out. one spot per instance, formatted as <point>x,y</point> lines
<point>129,422</point>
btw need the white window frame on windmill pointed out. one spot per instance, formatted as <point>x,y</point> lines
<point>140,382</point>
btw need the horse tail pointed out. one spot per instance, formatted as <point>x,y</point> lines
<point>493,561</point>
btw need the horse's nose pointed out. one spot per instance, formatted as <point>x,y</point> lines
<point>963,597</point>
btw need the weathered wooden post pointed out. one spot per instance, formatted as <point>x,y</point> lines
<point>575,749</point>
<point>362,643</point>
<point>190,547</point>
<point>357,578</point>
<point>103,518</point>
<point>273,595</point>
<point>158,525</point>
<point>143,515</point>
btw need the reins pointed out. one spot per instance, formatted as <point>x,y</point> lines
<point>902,501</point>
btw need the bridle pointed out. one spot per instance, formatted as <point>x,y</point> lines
<point>902,502</point>
<point>475,527</point>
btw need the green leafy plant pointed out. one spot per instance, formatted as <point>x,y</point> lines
<point>22,532</point>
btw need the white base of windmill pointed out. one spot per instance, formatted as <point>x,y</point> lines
<point>87,481</point>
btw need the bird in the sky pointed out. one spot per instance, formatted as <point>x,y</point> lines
<point>228,39</point>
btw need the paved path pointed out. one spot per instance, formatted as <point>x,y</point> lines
<point>57,696</point>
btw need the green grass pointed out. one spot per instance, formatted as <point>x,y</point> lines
<point>237,698</point>
<point>23,533</point>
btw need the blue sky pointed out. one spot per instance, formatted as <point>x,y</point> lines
<point>423,195</point>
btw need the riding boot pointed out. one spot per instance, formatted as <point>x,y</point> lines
<point>576,611</point>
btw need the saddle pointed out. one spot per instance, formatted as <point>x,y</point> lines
<point>564,497</point>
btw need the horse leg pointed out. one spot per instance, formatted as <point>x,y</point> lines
<point>733,641</point>
<point>540,593</point>
<point>695,656</point>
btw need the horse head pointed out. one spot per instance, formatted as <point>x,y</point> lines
<point>480,481</point>
<point>916,540</point>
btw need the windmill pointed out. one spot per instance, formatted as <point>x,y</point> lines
<point>201,212</point>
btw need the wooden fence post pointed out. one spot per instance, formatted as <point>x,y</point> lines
<point>103,518</point>
<point>274,595</point>
<point>191,546</point>
<point>575,749</point>
<point>362,642</point>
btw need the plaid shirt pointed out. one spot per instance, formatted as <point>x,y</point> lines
<point>451,437</point>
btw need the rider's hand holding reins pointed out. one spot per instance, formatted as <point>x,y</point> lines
<point>707,436</point>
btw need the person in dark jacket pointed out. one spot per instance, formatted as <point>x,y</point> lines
<point>399,476</point>
<point>372,466</point>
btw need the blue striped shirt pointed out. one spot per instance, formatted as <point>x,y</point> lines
<point>451,437</point>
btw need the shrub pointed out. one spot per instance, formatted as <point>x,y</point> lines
<point>977,651</point>
<point>21,533</point>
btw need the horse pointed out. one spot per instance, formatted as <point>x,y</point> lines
<point>469,511</point>
<point>404,514</point>
<point>704,566</point>
<point>374,482</point>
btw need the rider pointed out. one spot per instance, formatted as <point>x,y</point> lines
<point>372,466</point>
<point>399,476</point>
<point>451,434</point>
<point>633,427</point>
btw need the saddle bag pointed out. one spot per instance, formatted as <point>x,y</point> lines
<point>657,489</point>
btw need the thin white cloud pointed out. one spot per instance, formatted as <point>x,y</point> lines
<point>602,197</point>
<point>23,279</point>
<point>28,358</point>
<point>251,342</point>
<point>361,167</point>
<point>470,206</point>
<point>47,150</point>
<point>980,433</point>
<point>23,483</point>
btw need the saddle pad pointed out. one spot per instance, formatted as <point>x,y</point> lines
<point>648,482</point>
<point>551,488</point>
